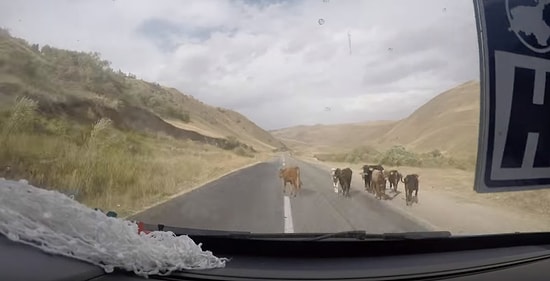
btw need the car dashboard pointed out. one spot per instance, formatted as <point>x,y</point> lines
<point>512,262</point>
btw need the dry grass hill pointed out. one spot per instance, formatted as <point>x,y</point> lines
<point>448,123</point>
<point>68,121</point>
<point>325,138</point>
<point>59,77</point>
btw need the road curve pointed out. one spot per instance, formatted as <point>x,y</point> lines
<point>251,199</point>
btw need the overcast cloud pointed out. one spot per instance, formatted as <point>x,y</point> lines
<point>272,60</point>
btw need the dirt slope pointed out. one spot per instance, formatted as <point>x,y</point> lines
<point>220,122</point>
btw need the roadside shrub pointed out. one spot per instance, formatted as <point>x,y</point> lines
<point>241,151</point>
<point>397,156</point>
<point>231,143</point>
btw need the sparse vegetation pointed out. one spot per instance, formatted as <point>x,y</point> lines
<point>397,156</point>
<point>232,142</point>
<point>243,152</point>
<point>106,167</point>
<point>80,127</point>
<point>178,114</point>
<point>65,73</point>
<point>46,73</point>
<point>241,149</point>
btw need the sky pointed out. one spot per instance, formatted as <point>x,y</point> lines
<point>281,63</point>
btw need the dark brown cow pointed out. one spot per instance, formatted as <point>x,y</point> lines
<point>378,183</point>
<point>291,175</point>
<point>394,177</point>
<point>367,175</point>
<point>411,184</point>
<point>344,177</point>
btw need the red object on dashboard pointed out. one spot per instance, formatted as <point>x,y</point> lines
<point>141,228</point>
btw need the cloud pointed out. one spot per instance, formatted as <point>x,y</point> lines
<point>272,60</point>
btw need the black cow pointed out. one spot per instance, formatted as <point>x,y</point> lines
<point>411,184</point>
<point>394,177</point>
<point>344,177</point>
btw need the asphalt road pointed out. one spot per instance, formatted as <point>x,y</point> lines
<point>252,200</point>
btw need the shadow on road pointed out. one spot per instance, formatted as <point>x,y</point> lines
<point>387,196</point>
<point>302,192</point>
<point>393,195</point>
<point>352,193</point>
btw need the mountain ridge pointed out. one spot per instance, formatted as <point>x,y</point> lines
<point>447,122</point>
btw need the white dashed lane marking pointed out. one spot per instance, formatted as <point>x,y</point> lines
<point>289,226</point>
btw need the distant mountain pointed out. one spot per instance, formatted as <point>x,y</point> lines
<point>448,122</point>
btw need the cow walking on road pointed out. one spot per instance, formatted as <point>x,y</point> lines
<point>411,184</point>
<point>291,175</point>
<point>367,176</point>
<point>378,183</point>
<point>344,178</point>
<point>335,180</point>
<point>394,177</point>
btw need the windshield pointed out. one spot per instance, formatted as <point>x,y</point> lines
<point>258,116</point>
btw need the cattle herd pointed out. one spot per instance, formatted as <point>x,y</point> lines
<point>374,177</point>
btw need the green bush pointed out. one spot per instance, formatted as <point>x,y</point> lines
<point>397,156</point>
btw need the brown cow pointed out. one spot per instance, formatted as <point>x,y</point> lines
<point>291,175</point>
<point>378,183</point>
<point>367,175</point>
<point>394,177</point>
<point>411,184</point>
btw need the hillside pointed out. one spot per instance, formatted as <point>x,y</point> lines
<point>69,122</point>
<point>448,122</point>
<point>59,78</point>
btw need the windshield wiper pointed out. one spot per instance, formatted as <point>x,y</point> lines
<point>352,234</point>
<point>363,235</point>
<point>194,231</point>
